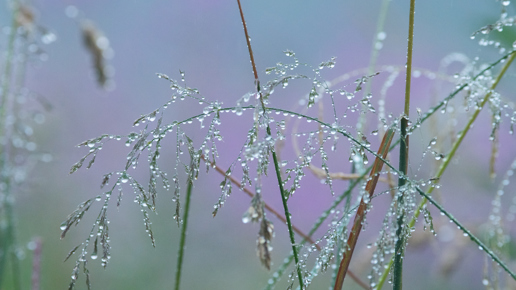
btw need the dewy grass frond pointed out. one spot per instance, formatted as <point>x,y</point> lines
<point>265,138</point>
<point>445,164</point>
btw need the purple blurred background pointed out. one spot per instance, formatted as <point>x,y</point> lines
<point>206,40</point>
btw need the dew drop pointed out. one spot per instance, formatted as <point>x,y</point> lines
<point>124,178</point>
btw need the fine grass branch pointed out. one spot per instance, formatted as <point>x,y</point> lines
<point>402,231</point>
<point>362,209</point>
<point>306,237</point>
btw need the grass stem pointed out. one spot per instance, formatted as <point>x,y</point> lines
<point>183,231</point>
<point>403,164</point>
<point>274,157</point>
<point>362,209</point>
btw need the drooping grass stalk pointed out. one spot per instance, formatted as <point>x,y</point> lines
<point>284,197</point>
<point>8,236</point>
<point>361,212</point>
<point>183,230</point>
<point>403,164</point>
<point>444,165</point>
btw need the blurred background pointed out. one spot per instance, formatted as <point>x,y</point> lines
<point>205,39</point>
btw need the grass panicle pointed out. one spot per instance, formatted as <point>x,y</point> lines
<point>320,131</point>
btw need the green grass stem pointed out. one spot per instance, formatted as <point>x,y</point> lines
<point>404,151</point>
<point>183,232</point>
<point>284,197</point>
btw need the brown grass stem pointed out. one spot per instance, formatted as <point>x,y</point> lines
<point>362,209</point>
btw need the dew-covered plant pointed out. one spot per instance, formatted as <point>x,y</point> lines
<point>327,128</point>
<point>22,111</point>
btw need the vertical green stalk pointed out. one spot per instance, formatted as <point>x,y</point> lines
<point>183,230</point>
<point>274,157</point>
<point>404,150</point>
<point>7,236</point>
<point>447,159</point>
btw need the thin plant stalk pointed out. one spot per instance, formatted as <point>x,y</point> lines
<point>404,151</point>
<point>447,159</point>
<point>361,212</point>
<point>183,231</point>
<point>284,197</point>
